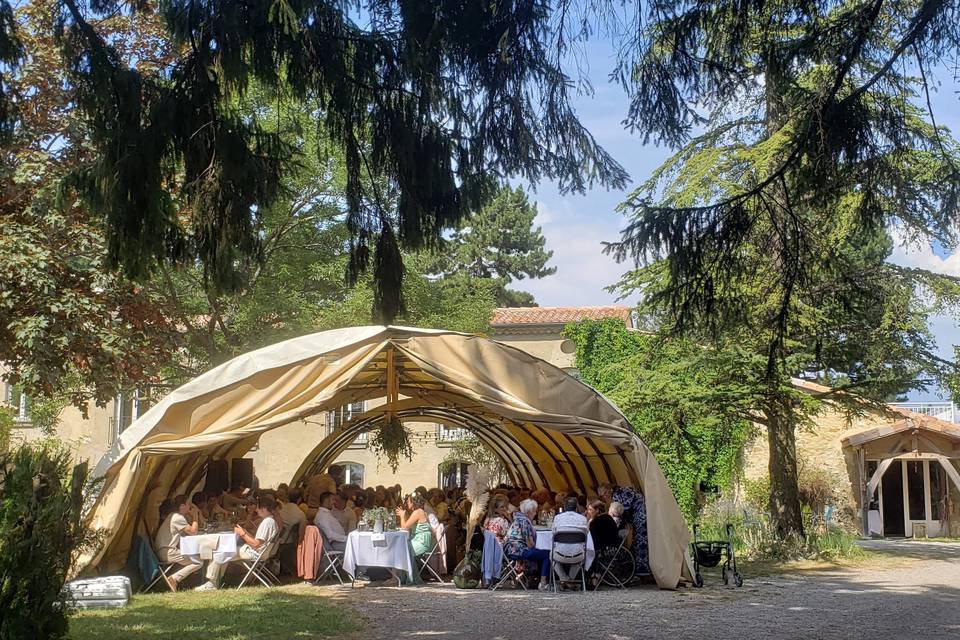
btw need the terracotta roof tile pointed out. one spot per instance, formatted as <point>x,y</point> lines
<point>558,315</point>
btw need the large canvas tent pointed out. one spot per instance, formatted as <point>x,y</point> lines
<point>549,429</point>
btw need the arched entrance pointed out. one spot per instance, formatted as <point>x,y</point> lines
<point>547,428</point>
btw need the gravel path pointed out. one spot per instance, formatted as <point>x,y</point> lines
<point>916,594</point>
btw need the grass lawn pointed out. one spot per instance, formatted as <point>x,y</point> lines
<point>248,614</point>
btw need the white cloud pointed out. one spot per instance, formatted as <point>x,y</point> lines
<point>920,255</point>
<point>575,236</point>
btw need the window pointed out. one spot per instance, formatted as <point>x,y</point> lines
<point>341,415</point>
<point>352,473</point>
<point>337,417</point>
<point>130,405</point>
<point>448,435</point>
<point>14,397</point>
<point>452,476</point>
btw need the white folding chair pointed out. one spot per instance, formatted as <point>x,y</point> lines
<point>568,536</point>
<point>334,561</point>
<point>257,567</point>
<point>164,571</point>
<point>508,571</point>
<point>425,559</point>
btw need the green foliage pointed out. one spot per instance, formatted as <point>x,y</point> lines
<point>6,427</point>
<point>769,230</point>
<point>428,102</point>
<point>63,315</point>
<point>755,537</point>
<point>472,451</point>
<point>680,402</point>
<point>41,533</point>
<point>499,242</point>
<point>458,304</point>
<point>391,441</point>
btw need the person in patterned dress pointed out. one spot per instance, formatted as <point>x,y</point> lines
<point>634,510</point>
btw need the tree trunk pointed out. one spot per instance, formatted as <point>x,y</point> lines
<point>785,510</point>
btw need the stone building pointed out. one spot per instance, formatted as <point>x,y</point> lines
<point>894,470</point>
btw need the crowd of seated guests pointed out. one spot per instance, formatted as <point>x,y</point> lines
<point>512,515</point>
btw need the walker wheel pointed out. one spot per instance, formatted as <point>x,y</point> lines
<point>697,579</point>
<point>738,579</point>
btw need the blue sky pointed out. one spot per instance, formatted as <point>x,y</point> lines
<point>575,225</point>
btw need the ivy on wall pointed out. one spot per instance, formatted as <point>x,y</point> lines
<point>674,393</point>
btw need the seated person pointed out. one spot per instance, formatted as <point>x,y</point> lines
<point>343,513</point>
<point>252,516</point>
<point>616,512</point>
<point>520,542</point>
<point>603,528</point>
<point>294,520</point>
<point>182,521</point>
<point>330,527</point>
<point>417,523</point>
<point>199,500</point>
<point>253,545</point>
<point>233,499</point>
<point>498,517</point>
<point>570,517</point>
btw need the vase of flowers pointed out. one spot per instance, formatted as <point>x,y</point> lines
<point>375,518</point>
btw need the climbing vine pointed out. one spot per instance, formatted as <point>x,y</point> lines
<point>677,397</point>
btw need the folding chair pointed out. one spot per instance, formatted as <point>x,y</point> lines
<point>425,559</point>
<point>568,536</point>
<point>508,571</point>
<point>164,569</point>
<point>616,568</point>
<point>257,567</point>
<point>334,561</point>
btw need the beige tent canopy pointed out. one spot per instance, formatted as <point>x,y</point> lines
<point>548,429</point>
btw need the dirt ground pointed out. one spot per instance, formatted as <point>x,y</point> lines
<point>912,590</point>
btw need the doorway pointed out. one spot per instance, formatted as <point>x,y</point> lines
<point>892,483</point>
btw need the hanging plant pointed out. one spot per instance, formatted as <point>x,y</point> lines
<point>391,441</point>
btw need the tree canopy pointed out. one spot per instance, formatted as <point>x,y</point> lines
<point>685,403</point>
<point>803,136</point>
<point>431,104</point>
<point>499,241</point>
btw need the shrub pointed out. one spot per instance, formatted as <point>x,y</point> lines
<point>41,533</point>
<point>755,538</point>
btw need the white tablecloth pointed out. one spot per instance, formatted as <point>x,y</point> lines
<point>393,554</point>
<point>545,540</point>
<point>222,545</point>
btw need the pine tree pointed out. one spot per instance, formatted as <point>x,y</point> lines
<point>500,241</point>
<point>431,103</point>
<point>801,138</point>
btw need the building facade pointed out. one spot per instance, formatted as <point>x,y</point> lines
<point>895,470</point>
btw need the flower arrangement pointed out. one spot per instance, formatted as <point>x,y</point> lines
<point>373,514</point>
<point>391,441</point>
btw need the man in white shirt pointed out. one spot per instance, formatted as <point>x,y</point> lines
<point>343,513</point>
<point>252,545</point>
<point>181,522</point>
<point>333,532</point>
<point>567,519</point>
